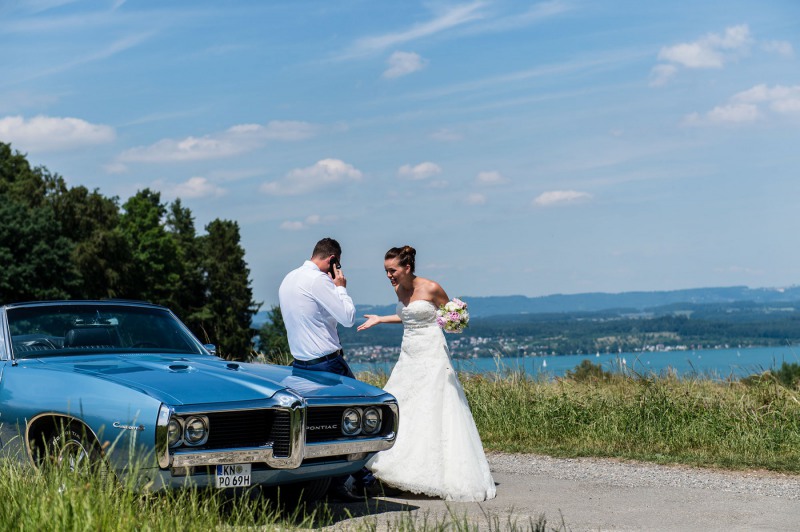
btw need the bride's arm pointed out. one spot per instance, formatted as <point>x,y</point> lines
<point>374,319</point>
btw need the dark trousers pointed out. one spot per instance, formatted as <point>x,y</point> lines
<point>333,363</point>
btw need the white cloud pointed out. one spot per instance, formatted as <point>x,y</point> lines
<point>115,168</point>
<point>739,112</point>
<point>711,51</point>
<point>535,13</point>
<point>692,55</point>
<point>560,197</point>
<point>403,63</point>
<point>783,48</point>
<point>233,141</point>
<point>661,74</point>
<point>322,174</point>
<point>299,225</point>
<point>292,226</point>
<point>194,187</point>
<point>45,133</point>
<point>420,171</point>
<point>476,199</point>
<point>450,18</point>
<point>736,113</point>
<point>780,98</point>
<point>446,135</point>
<point>490,178</point>
<point>751,105</point>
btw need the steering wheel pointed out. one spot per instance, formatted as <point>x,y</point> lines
<point>41,342</point>
<point>144,344</point>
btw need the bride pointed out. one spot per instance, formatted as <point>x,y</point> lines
<point>438,451</point>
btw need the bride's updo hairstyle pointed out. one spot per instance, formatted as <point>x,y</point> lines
<point>404,255</point>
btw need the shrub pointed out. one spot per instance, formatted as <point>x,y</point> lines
<point>588,371</point>
<point>788,375</point>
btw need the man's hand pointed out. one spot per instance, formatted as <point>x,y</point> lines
<point>339,279</point>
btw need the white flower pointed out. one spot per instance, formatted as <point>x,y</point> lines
<point>451,306</point>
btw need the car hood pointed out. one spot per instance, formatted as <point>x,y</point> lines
<point>198,379</point>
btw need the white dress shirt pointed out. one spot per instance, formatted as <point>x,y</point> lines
<point>311,306</point>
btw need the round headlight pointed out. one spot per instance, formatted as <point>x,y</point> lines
<point>173,432</point>
<point>351,422</point>
<point>372,420</point>
<point>195,431</point>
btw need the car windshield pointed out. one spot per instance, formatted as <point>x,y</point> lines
<point>68,329</point>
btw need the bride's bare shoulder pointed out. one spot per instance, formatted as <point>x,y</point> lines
<point>432,290</point>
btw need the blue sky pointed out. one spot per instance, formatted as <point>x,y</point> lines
<point>523,148</point>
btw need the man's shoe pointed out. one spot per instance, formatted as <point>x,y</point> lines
<point>343,493</point>
<point>369,486</point>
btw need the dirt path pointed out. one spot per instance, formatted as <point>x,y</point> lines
<point>596,494</point>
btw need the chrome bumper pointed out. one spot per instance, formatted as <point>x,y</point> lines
<point>299,449</point>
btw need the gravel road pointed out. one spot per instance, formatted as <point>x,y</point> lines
<point>601,494</point>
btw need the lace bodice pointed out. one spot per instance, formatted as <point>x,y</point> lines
<point>417,314</point>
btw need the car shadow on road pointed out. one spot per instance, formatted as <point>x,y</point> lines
<point>340,511</point>
<point>330,512</point>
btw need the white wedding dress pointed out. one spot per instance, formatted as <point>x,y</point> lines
<point>438,451</point>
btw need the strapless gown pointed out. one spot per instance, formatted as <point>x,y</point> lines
<point>438,451</point>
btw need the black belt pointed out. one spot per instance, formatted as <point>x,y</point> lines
<point>318,360</point>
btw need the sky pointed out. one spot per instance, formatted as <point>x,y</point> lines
<point>523,148</point>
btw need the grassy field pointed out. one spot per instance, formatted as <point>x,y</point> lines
<point>666,420</point>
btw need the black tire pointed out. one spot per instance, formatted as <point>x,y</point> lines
<point>308,491</point>
<point>75,449</point>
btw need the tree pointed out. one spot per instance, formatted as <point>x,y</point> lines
<point>229,307</point>
<point>18,180</point>
<point>35,257</point>
<point>191,290</point>
<point>101,254</point>
<point>154,272</point>
<point>272,338</point>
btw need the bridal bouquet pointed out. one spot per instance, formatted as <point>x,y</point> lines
<point>453,316</point>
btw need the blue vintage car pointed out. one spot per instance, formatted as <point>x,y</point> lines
<point>110,382</point>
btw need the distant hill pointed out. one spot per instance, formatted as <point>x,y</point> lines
<point>482,307</point>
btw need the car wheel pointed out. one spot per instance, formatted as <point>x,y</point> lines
<point>308,491</point>
<point>73,449</point>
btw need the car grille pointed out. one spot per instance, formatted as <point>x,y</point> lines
<point>281,434</point>
<point>324,424</point>
<point>249,428</point>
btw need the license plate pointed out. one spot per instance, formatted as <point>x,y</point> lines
<point>233,476</point>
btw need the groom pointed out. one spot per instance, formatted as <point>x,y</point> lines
<point>313,299</point>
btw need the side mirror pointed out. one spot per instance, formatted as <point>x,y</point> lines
<point>211,348</point>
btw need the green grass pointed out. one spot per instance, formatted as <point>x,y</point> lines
<point>63,501</point>
<point>60,500</point>
<point>665,419</point>
<point>699,422</point>
<point>734,425</point>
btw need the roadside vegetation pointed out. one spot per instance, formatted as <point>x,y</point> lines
<point>749,424</point>
<point>753,423</point>
<point>65,501</point>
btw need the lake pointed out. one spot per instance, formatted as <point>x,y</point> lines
<point>712,363</point>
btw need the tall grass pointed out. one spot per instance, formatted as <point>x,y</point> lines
<point>660,419</point>
<point>61,500</point>
<point>664,419</point>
